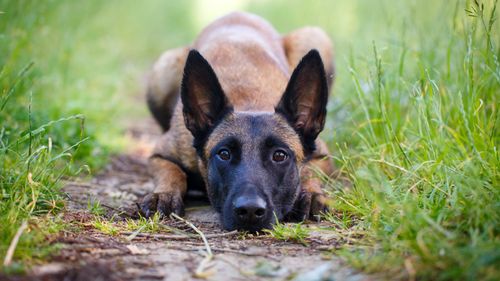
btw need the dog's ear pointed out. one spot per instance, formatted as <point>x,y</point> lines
<point>203,100</point>
<point>304,102</point>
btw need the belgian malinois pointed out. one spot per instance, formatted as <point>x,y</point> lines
<point>252,103</point>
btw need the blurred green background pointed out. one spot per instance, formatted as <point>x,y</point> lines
<point>92,56</point>
<point>413,119</point>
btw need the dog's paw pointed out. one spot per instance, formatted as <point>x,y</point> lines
<point>309,205</point>
<point>163,203</point>
<point>318,206</point>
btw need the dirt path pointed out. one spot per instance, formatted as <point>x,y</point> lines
<point>88,254</point>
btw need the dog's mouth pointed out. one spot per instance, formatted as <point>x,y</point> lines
<point>245,225</point>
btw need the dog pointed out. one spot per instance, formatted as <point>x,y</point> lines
<point>241,109</point>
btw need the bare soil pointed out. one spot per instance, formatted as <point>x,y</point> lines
<point>88,254</point>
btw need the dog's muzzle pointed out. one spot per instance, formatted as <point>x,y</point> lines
<point>250,210</point>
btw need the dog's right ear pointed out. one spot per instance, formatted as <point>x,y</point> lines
<point>203,100</point>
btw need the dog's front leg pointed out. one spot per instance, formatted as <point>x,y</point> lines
<point>312,200</point>
<point>170,187</point>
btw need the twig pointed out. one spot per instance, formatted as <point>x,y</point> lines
<point>135,233</point>
<point>202,235</point>
<point>119,212</point>
<point>13,244</point>
<point>81,184</point>
<point>225,234</point>
<point>223,250</point>
<point>178,237</point>
<point>205,263</point>
<point>156,236</point>
<point>232,251</point>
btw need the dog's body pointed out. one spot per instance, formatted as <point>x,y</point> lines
<point>240,127</point>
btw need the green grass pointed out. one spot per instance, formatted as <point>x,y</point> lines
<point>105,226</point>
<point>293,232</point>
<point>36,149</point>
<point>413,119</point>
<point>68,87</point>
<point>95,208</point>
<point>150,225</point>
<point>113,226</point>
<point>422,152</point>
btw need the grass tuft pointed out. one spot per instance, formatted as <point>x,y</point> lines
<point>292,232</point>
<point>95,208</point>
<point>106,226</point>
<point>150,225</point>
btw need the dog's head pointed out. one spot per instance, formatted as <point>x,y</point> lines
<point>251,161</point>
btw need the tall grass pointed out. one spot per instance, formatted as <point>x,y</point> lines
<point>424,160</point>
<point>35,149</point>
<point>70,74</point>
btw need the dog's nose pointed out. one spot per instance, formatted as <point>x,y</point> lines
<point>250,209</point>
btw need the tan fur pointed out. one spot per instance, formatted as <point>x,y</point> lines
<point>319,163</point>
<point>163,84</point>
<point>257,49</point>
<point>300,41</point>
<point>172,182</point>
<point>253,63</point>
<point>164,80</point>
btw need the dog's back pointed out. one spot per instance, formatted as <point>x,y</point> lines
<point>248,57</point>
<point>251,59</point>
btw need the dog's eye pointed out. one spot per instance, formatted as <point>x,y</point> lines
<point>224,154</point>
<point>279,156</point>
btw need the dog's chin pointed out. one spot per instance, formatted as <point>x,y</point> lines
<point>229,223</point>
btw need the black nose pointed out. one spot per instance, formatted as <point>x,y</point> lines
<point>250,209</point>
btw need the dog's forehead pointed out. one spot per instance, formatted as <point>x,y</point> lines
<point>250,127</point>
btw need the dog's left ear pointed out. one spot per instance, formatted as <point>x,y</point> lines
<point>304,102</point>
